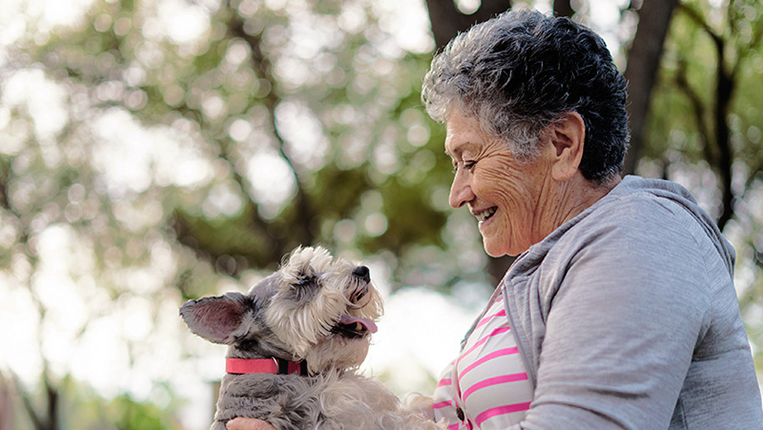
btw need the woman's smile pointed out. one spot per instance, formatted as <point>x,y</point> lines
<point>484,215</point>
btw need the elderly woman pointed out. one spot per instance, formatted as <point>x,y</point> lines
<point>620,311</point>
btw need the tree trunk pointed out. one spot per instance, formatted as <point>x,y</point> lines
<point>724,92</point>
<point>6,406</point>
<point>447,21</point>
<point>299,232</point>
<point>48,418</point>
<point>643,63</point>
<point>563,8</point>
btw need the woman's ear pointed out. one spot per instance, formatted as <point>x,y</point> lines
<point>567,138</point>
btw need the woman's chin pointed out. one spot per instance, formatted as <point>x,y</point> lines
<point>494,250</point>
<point>498,248</point>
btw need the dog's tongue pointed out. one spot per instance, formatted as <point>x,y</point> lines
<point>367,323</point>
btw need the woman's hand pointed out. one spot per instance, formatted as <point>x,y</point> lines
<point>248,424</point>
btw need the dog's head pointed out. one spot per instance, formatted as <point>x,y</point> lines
<point>315,308</point>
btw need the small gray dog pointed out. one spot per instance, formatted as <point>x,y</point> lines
<point>295,341</point>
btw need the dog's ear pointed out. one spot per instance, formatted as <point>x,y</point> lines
<point>217,319</point>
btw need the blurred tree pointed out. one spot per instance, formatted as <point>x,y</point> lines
<point>132,415</point>
<point>6,405</point>
<point>157,151</point>
<point>734,46</point>
<point>139,150</point>
<point>563,8</point>
<point>82,408</point>
<point>704,128</point>
<point>47,416</point>
<point>644,58</point>
<point>448,18</point>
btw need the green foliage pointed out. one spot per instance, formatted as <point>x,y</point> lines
<point>86,410</point>
<point>177,166</point>
<point>132,415</point>
<point>683,108</point>
<point>82,408</point>
<point>710,82</point>
<point>332,107</point>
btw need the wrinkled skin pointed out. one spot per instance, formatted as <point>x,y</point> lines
<point>519,203</point>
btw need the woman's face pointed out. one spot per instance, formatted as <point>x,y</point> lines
<point>504,195</point>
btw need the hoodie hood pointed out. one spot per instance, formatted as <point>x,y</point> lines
<point>676,193</point>
<point>632,186</point>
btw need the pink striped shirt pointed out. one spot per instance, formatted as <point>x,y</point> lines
<point>486,387</point>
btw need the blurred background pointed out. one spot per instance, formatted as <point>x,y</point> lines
<point>155,151</point>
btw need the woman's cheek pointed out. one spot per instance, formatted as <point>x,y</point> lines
<point>506,187</point>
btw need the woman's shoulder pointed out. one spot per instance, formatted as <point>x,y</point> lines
<point>640,219</point>
<point>639,225</point>
<point>641,206</point>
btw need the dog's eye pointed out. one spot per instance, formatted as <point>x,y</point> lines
<point>303,282</point>
<point>304,288</point>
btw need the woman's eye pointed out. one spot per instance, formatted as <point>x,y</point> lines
<point>468,165</point>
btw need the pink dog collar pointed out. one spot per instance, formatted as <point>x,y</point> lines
<point>275,366</point>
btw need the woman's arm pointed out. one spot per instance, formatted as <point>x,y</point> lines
<point>420,404</point>
<point>248,424</point>
<point>622,327</point>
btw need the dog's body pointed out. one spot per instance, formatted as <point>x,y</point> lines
<point>308,325</point>
<point>332,400</point>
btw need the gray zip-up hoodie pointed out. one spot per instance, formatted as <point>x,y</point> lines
<point>627,318</point>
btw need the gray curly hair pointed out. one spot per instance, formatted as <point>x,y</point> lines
<point>522,70</point>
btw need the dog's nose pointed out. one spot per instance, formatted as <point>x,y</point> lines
<point>362,272</point>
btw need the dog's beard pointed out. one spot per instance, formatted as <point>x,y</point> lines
<point>337,352</point>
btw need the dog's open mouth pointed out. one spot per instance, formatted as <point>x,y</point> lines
<point>354,327</point>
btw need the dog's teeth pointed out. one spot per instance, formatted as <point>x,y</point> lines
<point>358,326</point>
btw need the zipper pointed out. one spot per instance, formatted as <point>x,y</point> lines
<point>520,347</point>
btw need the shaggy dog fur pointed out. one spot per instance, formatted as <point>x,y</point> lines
<point>316,310</point>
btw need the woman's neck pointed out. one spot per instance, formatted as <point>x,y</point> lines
<point>575,196</point>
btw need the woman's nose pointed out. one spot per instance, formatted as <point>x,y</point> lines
<point>460,191</point>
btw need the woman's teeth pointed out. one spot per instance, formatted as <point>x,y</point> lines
<point>482,216</point>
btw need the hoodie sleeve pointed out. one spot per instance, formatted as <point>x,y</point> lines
<point>626,300</point>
